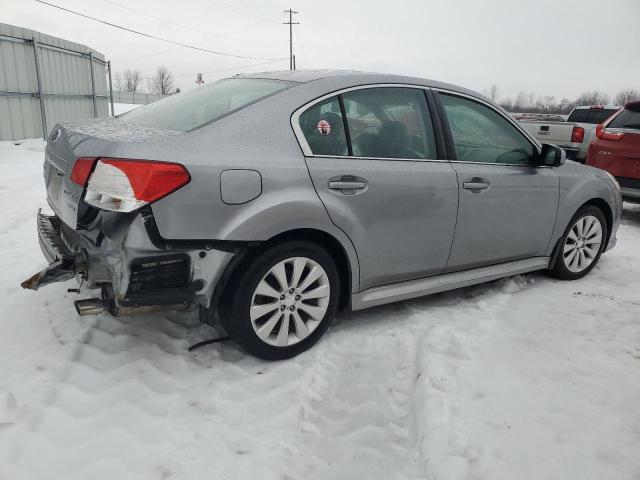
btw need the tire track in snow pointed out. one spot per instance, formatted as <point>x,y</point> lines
<point>87,420</point>
<point>441,441</point>
<point>353,408</point>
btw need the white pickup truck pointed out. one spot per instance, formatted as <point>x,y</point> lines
<point>575,134</point>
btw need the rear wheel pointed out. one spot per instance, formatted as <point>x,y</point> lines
<point>281,302</point>
<point>581,245</point>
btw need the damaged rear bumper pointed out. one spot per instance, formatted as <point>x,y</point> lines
<point>63,264</point>
<point>117,256</point>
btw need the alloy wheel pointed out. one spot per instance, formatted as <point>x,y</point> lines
<point>582,244</point>
<point>290,301</point>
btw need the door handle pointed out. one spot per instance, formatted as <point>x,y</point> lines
<point>476,184</point>
<point>347,185</point>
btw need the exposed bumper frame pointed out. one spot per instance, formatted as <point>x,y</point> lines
<point>63,264</point>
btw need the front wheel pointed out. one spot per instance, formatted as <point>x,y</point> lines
<point>282,301</point>
<point>582,244</point>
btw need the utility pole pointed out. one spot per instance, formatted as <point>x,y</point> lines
<point>291,23</point>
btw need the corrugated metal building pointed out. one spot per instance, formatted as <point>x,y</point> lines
<point>44,80</point>
<point>139,98</point>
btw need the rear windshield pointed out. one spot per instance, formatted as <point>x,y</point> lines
<point>628,118</point>
<point>591,115</point>
<point>200,106</point>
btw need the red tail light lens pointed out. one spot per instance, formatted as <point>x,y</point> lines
<point>124,185</point>
<point>604,134</point>
<point>81,170</point>
<point>577,135</point>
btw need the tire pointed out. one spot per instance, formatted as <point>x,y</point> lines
<point>577,253</point>
<point>299,318</point>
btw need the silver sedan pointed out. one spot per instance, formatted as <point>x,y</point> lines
<point>271,201</point>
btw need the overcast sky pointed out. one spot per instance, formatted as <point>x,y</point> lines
<point>553,47</point>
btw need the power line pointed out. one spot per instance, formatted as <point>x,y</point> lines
<point>249,7</point>
<point>241,11</point>
<point>193,47</point>
<point>169,22</point>
<point>227,69</point>
<point>304,51</point>
<point>161,52</point>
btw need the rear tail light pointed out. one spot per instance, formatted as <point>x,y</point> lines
<point>81,170</point>
<point>606,134</point>
<point>122,185</point>
<point>577,135</point>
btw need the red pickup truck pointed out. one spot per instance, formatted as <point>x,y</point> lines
<point>616,149</point>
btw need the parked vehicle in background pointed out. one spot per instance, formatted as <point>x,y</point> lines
<point>273,200</point>
<point>616,149</point>
<point>574,134</point>
<point>540,117</point>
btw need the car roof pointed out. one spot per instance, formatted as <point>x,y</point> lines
<point>354,77</point>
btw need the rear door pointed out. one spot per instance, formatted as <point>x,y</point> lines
<point>374,162</point>
<point>508,204</point>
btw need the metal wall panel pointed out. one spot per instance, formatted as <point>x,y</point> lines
<point>139,98</point>
<point>65,79</point>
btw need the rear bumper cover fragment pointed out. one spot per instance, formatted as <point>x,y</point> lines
<point>63,264</point>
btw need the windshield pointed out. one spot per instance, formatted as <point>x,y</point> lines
<point>201,106</point>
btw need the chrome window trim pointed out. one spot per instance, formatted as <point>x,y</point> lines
<point>521,165</point>
<point>357,157</point>
<point>302,141</point>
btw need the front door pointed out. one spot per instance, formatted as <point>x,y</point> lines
<point>508,203</point>
<point>373,161</point>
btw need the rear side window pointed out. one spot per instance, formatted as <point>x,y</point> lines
<point>382,122</point>
<point>590,115</point>
<point>323,127</point>
<point>200,106</point>
<point>389,122</point>
<point>482,135</point>
<point>578,115</point>
<point>628,118</point>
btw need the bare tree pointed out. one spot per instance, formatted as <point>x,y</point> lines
<point>117,82</point>
<point>593,98</point>
<point>163,81</point>
<point>491,92</point>
<point>627,95</point>
<point>528,102</point>
<point>132,80</point>
<point>566,105</point>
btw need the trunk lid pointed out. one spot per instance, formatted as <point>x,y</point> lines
<point>62,194</point>
<point>93,138</point>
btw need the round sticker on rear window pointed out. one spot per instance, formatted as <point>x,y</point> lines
<point>324,127</point>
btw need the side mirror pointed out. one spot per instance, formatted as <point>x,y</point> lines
<point>552,155</point>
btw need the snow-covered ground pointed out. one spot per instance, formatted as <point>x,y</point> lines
<point>120,108</point>
<point>524,378</point>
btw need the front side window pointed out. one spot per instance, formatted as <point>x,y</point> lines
<point>389,122</point>
<point>482,135</point>
<point>198,107</point>
<point>323,128</point>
